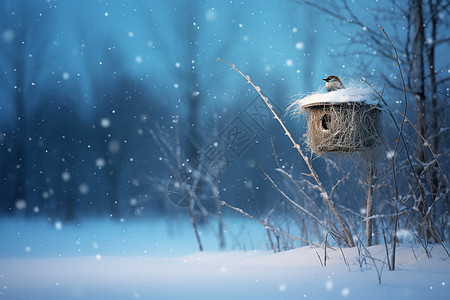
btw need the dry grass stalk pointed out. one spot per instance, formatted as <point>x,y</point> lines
<point>313,174</point>
<point>266,225</point>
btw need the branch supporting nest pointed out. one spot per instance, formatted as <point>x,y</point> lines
<point>326,198</point>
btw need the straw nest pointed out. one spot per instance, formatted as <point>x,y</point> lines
<point>346,120</point>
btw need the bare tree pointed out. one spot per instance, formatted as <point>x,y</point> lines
<point>180,49</point>
<point>418,31</point>
<point>23,27</point>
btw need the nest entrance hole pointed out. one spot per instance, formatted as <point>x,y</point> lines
<point>326,121</point>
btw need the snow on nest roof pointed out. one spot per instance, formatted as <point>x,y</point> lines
<point>353,93</point>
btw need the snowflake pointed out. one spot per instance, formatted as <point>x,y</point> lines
<point>66,176</point>
<point>105,122</point>
<point>66,75</point>
<point>299,45</point>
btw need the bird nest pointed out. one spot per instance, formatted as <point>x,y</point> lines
<point>344,127</point>
<point>342,121</point>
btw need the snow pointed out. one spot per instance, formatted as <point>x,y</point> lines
<point>354,92</point>
<point>113,273</point>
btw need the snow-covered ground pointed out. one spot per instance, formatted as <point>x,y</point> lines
<point>113,261</point>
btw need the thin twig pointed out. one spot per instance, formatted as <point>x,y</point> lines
<point>400,137</point>
<point>266,225</point>
<point>319,258</point>
<point>386,247</point>
<point>295,204</point>
<point>325,251</point>
<point>431,150</point>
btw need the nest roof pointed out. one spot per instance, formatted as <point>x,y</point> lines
<point>351,94</point>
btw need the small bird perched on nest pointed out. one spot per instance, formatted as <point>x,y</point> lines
<point>333,83</point>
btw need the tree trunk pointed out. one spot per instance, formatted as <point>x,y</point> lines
<point>21,142</point>
<point>369,206</point>
<point>418,73</point>
<point>434,113</point>
<point>194,96</point>
<point>418,90</point>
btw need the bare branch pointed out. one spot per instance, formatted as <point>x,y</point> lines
<point>266,225</point>
<point>323,194</point>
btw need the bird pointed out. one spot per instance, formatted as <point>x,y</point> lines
<point>333,83</point>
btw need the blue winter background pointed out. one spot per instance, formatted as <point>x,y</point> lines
<point>108,107</point>
<point>83,83</point>
<point>92,91</point>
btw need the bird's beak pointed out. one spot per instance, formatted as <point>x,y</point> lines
<point>325,79</point>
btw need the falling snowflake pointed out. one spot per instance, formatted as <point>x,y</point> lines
<point>58,225</point>
<point>100,162</point>
<point>8,35</point>
<point>83,188</point>
<point>211,15</point>
<point>66,75</point>
<point>282,287</point>
<point>329,285</point>
<point>105,122</point>
<point>21,204</point>
<point>65,176</point>
<point>299,45</point>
